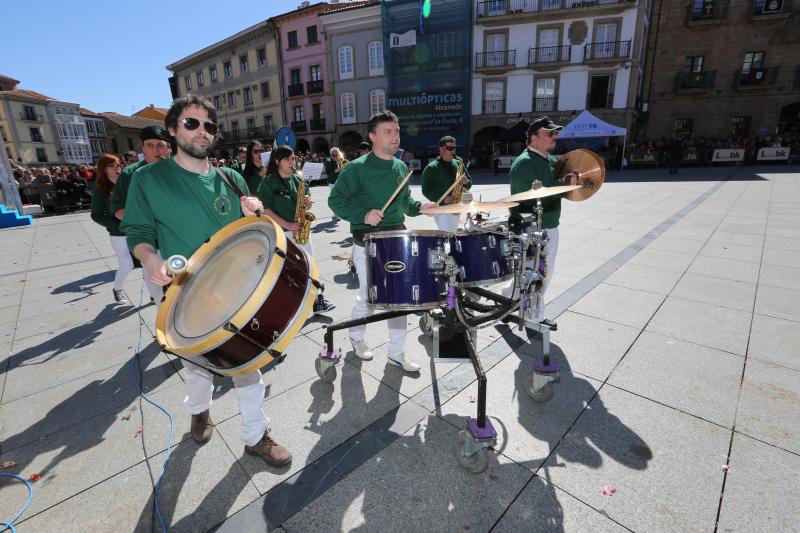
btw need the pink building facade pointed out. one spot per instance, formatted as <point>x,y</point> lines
<point>307,84</point>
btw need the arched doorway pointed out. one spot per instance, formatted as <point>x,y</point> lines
<point>302,146</point>
<point>484,142</point>
<point>321,146</point>
<point>789,121</point>
<point>349,142</point>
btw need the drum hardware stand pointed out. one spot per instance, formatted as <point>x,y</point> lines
<point>325,364</point>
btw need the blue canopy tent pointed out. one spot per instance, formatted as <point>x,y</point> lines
<point>588,125</point>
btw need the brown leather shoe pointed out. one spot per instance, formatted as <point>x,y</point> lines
<point>273,453</point>
<point>202,427</point>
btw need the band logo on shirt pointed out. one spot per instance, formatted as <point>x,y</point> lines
<point>222,205</point>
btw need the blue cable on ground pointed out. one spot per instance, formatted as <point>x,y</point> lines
<point>144,395</point>
<point>9,524</point>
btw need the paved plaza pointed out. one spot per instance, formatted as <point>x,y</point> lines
<point>679,340</point>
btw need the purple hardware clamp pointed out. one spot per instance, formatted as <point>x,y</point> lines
<point>451,297</point>
<point>477,432</point>
<point>540,368</point>
<point>335,355</point>
<point>525,302</point>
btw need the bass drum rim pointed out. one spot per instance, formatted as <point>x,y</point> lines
<point>240,317</point>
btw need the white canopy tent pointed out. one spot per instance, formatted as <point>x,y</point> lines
<point>588,125</point>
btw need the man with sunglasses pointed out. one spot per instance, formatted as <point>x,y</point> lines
<point>183,201</point>
<point>438,176</point>
<point>537,164</point>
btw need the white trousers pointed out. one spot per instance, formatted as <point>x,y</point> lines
<point>446,221</point>
<point>397,325</point>
<point>249,395</point>
<point>536,310</point>
<point>124,261</point>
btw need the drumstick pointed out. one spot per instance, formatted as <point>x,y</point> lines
<point>396,192</point>
<point>447,191</point>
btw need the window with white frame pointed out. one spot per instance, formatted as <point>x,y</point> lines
<point>375,58</point>
<point>444,46</point>
<point>187,82</point>
<point>346,63</point>
<point>200,80</point>
<point>212,73</point>
<point>377,101</point>
<point>248,97</point>
<point>347,103</point>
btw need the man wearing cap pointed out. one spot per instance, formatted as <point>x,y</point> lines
<point>437,178</point>
<point>537,164</point>
<point>155,146</point>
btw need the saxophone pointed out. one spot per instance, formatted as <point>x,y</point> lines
<point>458,190</point>
<point>301,216</point>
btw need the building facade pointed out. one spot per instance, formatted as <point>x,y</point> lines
<point>556,57</point>
<point>306,80</point>
<point>123,131</point>
<point>241,77</point>
<point>70,127</point>
<point>723,69</point>
<point>152,112</point>
<point>360,86</point>
<point>26,126</point>
<point>96,128</point>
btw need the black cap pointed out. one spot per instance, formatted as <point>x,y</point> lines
<point>154,132</point>
<point>543,123</point>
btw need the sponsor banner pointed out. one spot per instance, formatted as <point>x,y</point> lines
<point>728,155</point>
<point>774,153</point>
<point>398,40</point>
<point>312,171</point>
<point>425,117</point>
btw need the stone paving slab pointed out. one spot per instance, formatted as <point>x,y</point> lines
<point>760,489</point>
<point>780,276</point>
<point>778,302</point>
<point>694,379</point>
<point>770,405</point>
<point>619,304</point>
<point>641,448</point>
<point>776,341</point>
<point>644,278</point>
<point>716,291</point>
<point>427,487</point>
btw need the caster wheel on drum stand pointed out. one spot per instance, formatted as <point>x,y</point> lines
<point>426,324</point>
<point>477,461</point>
<point>327,372</point>
<point>543,395</point>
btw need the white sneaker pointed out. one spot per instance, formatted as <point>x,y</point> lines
<point>403,362</point>
<point>361,349</point>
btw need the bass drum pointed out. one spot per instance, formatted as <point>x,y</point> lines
<point>242,299</point>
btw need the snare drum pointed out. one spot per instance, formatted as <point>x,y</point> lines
<point>405,269</point>
<point>241,300</point>
<point>481,256</point>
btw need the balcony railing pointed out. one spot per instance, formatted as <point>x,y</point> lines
<point>500,59</point>
<point>700,10</point>
<point>755,77</point>
<point>494,106</point>
<point>31,117</point>
<point>299,125</point>
<point>37,138</point>
<point>315,86</point>
<point>549,54</point>
<point>296,89</point>
<point>500,8</point>
<point>610,50</point>
<point>545,104</point>
<point>695,80</point>
<point>317,124</point>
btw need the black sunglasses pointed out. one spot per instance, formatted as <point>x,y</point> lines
<point>451,148</point>
<point>192,124</point>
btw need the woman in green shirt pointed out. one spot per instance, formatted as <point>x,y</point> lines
<point>252,166</point>
<point>108,169</point>
<point>278,193</point>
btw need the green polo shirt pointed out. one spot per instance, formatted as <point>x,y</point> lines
<point>438,176</point>
<point>280,194</point>
<point>179,208</point>
<point>530,166</point>
<point>367,183</point>
<point>120,194</point>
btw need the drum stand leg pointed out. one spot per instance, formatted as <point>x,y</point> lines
<point>329,356</point>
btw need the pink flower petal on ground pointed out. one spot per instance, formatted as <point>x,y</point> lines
<point>613,490</point>
<point>138,430</point>
<point>606,491</point>
<point>35,477</point>
<point>726,468</point>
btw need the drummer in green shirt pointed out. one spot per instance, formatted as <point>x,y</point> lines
<point>438,177</point>
<point>278,192</point>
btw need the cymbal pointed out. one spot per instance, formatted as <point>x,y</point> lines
<point>541,192</point>
<point>589,167</point>
<point>471,207</point>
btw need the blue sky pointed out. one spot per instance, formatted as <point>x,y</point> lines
<point>110,55</point>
